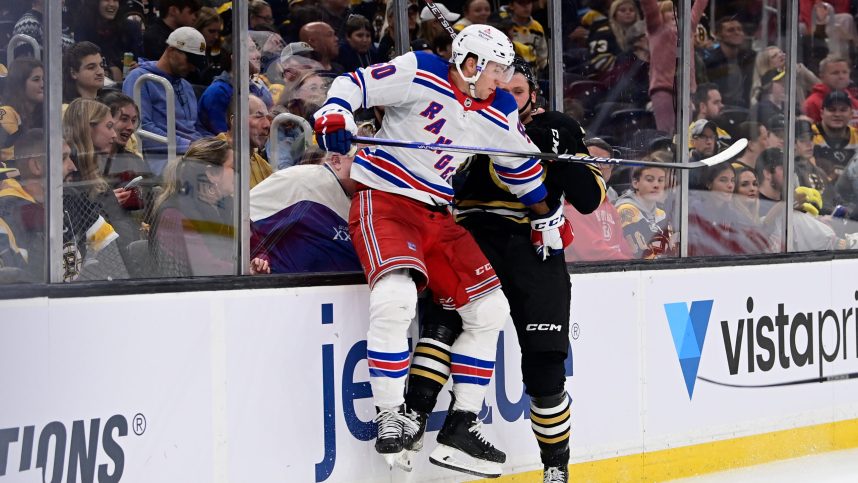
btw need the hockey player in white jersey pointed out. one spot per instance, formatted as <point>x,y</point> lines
<point>407,240</point>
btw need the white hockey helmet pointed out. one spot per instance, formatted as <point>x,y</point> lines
<point>485,42</point>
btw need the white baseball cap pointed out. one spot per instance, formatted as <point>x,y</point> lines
<point>426,14</point>
<point>188,40</point>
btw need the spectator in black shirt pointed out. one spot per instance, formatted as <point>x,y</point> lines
<point>356,50</point>
<point>102,25</point>
<point>174,14</point>
<point>731,65</point>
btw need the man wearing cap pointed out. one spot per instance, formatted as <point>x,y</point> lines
<point>834,74</point>
<point>704,143</point>
<point>835,142</point>
<point>704,137</point>
<point>430,27</point>
<point>185,53</point>
<point>173,14</point>
<point>323,40</point>
<point>771,97</point>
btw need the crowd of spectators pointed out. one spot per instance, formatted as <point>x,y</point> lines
<point>135,212</point>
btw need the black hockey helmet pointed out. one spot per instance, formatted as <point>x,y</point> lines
<point>523,67</point>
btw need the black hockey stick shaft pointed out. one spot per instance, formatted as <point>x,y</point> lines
<point>440,17</point>
<point>724,155</point>
<point>813,380</point>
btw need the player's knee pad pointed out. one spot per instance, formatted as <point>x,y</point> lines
<point>543,373</point>
<point>550,401</point>
<point>393,300</point>
<point>489,313</point>
<point>440,333</point>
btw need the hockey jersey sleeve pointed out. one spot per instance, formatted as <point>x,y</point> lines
<point>581,183</point>
<point>387,84</point>
<point>523,177</point>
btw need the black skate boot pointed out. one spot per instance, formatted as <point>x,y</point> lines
<point>462,447</point>
<point>555,474</point>
<point>412,438</point>
<point>413,434</point>
<point>389,442</point>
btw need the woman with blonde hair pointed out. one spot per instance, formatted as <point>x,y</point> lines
<point>193,232</point>
<point>773,58</point>
<point>88,128</point>
<point>622,15</point>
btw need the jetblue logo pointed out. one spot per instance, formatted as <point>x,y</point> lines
<point>355,386</point>
<point>688,328</point>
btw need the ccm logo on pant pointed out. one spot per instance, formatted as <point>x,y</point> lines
<point>485,268</point>
<point>542,327</point>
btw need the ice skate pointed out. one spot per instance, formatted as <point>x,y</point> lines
<point>389,442</point>
<point>462,447</point>
<point>413,426</point>
<point>413,434</point>
<point>412,438</point>
<point>555,474</point>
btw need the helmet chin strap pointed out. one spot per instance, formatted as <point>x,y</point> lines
<point>472,88</point>
<point>472,81</point>
<point>524,107</point>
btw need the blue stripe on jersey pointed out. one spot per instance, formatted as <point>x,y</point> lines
<point>504,102</point>
<point>534,196</point>
<point>517,181</point>
<point>471,361</point>
<point>434,87</point>
<point>340,102</point>
<point>388,356</point>
<point>432,63</point>
<point>446,189</point>
<point>527,165</point>
<point>382,173</point>
<point>495,121</point>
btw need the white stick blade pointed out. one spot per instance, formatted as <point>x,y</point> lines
<point>727,154</point>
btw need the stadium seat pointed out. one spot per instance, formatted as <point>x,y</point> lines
<point>628,121</point>
<point>600,123</point>
<point>588,93</point>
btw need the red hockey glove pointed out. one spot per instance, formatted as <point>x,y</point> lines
<point>334,131</point>
<point>550,233</point>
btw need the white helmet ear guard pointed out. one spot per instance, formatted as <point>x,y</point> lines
<point>487,44</point>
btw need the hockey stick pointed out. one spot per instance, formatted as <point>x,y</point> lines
<point>838,377</point>
<point>725,155</point>
<point>440,17</point>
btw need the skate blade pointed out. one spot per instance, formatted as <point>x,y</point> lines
<point>453,459</point>
<point>405,460</point>
<point>401,460</point>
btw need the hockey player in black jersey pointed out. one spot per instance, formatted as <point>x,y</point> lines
<point>538,288</point>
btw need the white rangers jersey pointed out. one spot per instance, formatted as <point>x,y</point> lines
<point>422,105</point>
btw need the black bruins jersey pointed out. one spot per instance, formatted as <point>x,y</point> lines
<point>479,192</point>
